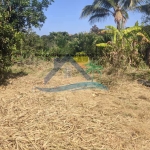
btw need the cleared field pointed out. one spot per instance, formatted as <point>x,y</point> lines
<point>117,119</point>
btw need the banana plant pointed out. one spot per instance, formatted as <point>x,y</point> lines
<point>114,32</point>
<point>123,35</point>
<point>125,45</point>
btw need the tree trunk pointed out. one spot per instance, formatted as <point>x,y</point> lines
<point>118,25</point>
<point>147,56</point>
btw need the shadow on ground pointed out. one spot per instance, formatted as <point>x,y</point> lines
<point>145,75</point>
<point>4,78</point>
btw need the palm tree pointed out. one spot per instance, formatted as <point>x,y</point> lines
<point>101,9</point>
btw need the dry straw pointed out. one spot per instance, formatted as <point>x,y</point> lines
<point>118,119</point>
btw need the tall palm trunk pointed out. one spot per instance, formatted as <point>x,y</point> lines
<point>118,26</point>
<point>118,17</point>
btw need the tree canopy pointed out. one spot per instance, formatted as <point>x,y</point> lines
<point>23,14</point>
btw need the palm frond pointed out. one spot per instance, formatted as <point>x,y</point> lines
<point>95,13</point>
<point>94,9</point>
<point>117,2</point>
<point>114,3</point>
<point>102,3</point>
<point>125,13</point>
<point>143,8</point>
<point>131,3</point>
<point>101,9</point>
<point>87,10</point>
<point>98,17</point>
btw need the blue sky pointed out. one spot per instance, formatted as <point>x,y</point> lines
<point>64,15</point>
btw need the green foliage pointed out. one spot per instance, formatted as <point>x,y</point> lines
<point>16,16</point>
<point>125,46</point>
<point>86,42</point>
<point>24,14</point>
<point>10,41</point>
<point>56,44</point>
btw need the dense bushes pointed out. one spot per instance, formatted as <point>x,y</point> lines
<point>58,44</point>
<point>118,48</point>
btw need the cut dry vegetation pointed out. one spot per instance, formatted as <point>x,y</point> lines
<point>92,119</point>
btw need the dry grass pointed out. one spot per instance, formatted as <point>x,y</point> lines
<point>118,119</point>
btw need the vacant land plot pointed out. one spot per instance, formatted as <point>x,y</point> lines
<point>92,119</point>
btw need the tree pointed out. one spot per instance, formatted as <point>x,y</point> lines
<point>101,9</point>
<point>95,29</point>
<point>17,16</point>
<point>24,14</point>
<point>10,40</point>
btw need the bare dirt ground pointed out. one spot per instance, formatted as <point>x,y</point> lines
<point>92,119</point>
